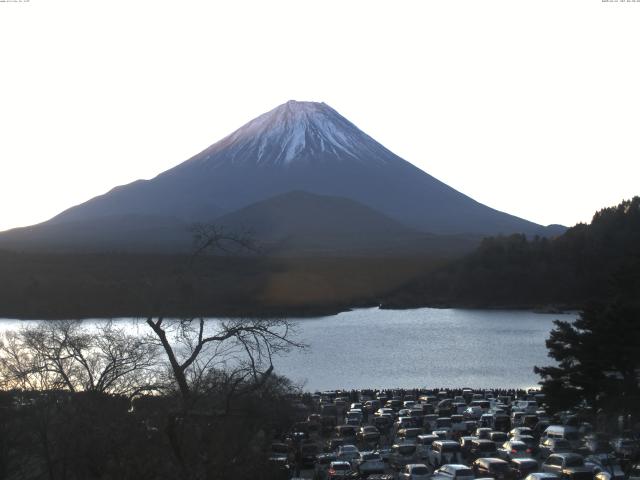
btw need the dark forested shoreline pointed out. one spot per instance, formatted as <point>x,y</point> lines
<point>57,286</point>
<point>589,262</point>
<point>586,263</point>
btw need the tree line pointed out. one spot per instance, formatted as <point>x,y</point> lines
<point>588,262</point>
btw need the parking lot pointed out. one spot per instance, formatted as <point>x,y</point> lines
<point>448,435</point>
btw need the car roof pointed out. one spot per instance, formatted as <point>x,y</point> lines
<point>524,460</point>
<point>456,466</point>
<point>490,460</point>
<point>565,455</point>
<point>340,462</point>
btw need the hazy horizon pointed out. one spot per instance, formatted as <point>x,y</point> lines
<point>527,108</point>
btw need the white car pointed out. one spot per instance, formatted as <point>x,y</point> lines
<point>414,471</point>
<point>514,449</point>
<point>453,471</point>
<point>368,463</point>
<point>339,469</point>
<point>347,453</point>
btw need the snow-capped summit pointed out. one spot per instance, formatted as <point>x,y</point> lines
<point>296,131</point>
<point>298,146</point>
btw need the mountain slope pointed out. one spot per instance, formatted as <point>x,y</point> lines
<point>301,146</point>
<point>301,222</point>
<point>298,146</point>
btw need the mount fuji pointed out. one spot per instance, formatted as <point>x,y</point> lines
<point>298,154</point>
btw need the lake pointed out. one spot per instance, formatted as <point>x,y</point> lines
<point>424,347</point>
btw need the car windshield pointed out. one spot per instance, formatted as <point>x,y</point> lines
<point>450,448</point>
<point>443,422</point>
<point>487,447</point>
<point>370,456</point>
<point>498,467</point>
<point>574,462</point>
<point>406,449</point>
<point>464,472</point>
<point>420,471</point>
<point>341,466</point>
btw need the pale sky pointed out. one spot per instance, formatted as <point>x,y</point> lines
<point>531,107</point>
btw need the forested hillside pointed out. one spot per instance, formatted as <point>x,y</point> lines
<point>588,262</point>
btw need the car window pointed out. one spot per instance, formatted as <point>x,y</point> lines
<point>574,462</point>
<point>498,467</point>
<point>420,470</point>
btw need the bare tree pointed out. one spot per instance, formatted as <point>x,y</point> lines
<point>209,237</point>
<point>242,348</point>
<point>64,355</point>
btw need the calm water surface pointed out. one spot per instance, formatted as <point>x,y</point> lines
<point>423,347</point>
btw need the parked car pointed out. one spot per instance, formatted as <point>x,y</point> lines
<point>473,413</point>
<point>521,467</point>
<point>625,447</point>
<point>529,441</point>
<point>568,465</point>
<point>333,444</point>
<point>369,463</point>
<point>453,472</point>
<point>542,476</point>
<point>634,473</point>
<point>498,437</point>
<point>444,452</point>
<point>347,432</point>
<point>606,463</point>
<point>321,467</point>
<point>520,431</point>
<point>308,453</point>
<point>384,410</point>
<point>554,445</point>
<point>414,471</point>
<point>483,432</point>
<point>402,455</point>
<point>465,445</point>
<point>347,453</point>
<point>424,444</point>
<point>597,443</point>
<point>514,449</point>
<point>491,467</point>
<point>482,448</point>
<point>368,434</point>
<point>339,469</point>
<point>409,434</point>
<point>564,432</point>
<point>279,451</point>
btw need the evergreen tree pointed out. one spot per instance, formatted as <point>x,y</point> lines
<point>598,359</point>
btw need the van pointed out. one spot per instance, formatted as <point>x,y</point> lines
<point>424,445</point>
<point>570,434</point>
<point>445,451</point>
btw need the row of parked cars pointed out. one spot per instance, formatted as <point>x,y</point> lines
<point>451,436</point>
